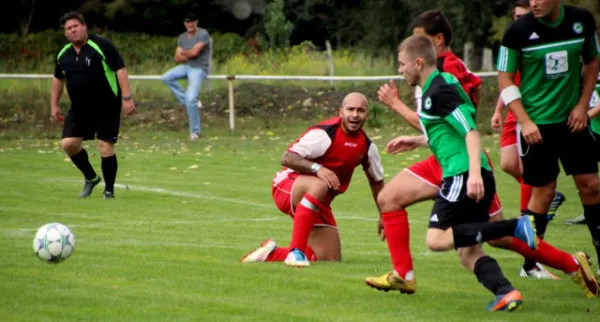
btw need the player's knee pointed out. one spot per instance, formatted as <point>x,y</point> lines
<point>71,147</point>
<point>318,189</point>
<point>588,186</point>
<point>437,245</point>
<point>387,200</point>
<point>106,148</point>
<point>510,166</point>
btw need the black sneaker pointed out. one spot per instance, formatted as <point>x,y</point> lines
<point>108,195</point>
<point>88,187</point>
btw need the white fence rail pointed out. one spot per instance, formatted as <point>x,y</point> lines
<point>231,78</point>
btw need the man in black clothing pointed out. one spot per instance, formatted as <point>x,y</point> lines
<point>98,85</point>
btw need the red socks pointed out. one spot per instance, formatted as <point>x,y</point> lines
<point>395,226</point>
<point>306,212</point>
<point>280,253</point>
<point>525,193</point>
<point>547,255</point>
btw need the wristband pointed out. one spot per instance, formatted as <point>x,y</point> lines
<point>126,98</point>
<point>510,94</point>
<point>315,167</point>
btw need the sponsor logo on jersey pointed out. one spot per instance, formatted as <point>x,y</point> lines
<point>350,144</point>
<point>557,62</point>
<point>427,103</point>
<point>578,27</point>
<point>534,36</point>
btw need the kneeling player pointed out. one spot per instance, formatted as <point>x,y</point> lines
<point>318,167</point>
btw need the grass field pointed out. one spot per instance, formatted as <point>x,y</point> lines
<point>168,247</point>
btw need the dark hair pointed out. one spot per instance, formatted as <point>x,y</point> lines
<point>434,22</point>
<point>190,16</point>
<point>522,4</point>
<point>71,15</point>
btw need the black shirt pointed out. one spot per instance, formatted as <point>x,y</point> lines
<point>90,75</point>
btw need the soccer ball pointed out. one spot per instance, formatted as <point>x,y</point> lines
<point>54,243</point>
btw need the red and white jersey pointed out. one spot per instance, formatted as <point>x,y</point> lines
<point>327,144</point>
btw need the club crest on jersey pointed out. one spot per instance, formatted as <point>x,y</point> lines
<point>578,27</point>
<point>427,104</point>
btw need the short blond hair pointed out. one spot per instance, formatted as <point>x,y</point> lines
<point>419,47</point>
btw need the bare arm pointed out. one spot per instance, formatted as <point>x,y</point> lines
<point>474,151</point>
<point>499,106</point>
<point>410,116</point>
<point>376,188</point>
<point>594,111</point>
<point>505,80</point>
<point>589,75</point>
<point>56,91</point>
<point>179,57</point>
<point>123,78</point>
<point>194,51</point>
<point>296,162</point>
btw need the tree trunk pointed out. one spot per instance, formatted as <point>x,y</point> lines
<point>26,24</point>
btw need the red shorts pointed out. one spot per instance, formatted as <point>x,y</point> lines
<point>430,171</point>
<point>509,131</point>
<point>283,183</point>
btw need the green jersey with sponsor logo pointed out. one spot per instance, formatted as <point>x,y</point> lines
<point>548,56</point>
<point>447,115</point>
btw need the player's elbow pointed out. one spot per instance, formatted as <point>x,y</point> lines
<point>286,159</point>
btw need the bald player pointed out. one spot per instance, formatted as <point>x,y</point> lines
<point>317,167</point>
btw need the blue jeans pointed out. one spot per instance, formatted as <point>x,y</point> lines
<point>189,97</point>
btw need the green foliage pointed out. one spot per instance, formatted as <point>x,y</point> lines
<point>277,28</point>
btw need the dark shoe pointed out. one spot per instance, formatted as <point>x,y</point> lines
<point>108,195</point>
<point>88,187</point>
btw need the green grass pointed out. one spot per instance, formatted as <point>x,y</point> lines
<point>168,247</point>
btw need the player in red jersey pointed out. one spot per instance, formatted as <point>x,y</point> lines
<point>422,180</point>
<point>510,162</point>
<point>317,167</point>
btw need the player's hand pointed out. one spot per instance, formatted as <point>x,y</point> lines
<point>388,94</point>
<point>129,107</point>
<point>475,189</point>
<point>496,121</point>
<point>531,132</point>
<point>55,111</point>
<point>329,177</point>
<point>578,119</point>
<point>401,144</point>
<point>380,231</point>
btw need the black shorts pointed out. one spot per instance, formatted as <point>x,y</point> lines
<point>574,150</point>
<point>104,126</point>
<point>453,207</point>
<point>597,149</point>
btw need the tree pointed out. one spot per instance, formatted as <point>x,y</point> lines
<point>277,28</point>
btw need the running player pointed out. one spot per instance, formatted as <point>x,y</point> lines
<point>422,181</point>
<point>548,47</point>
<point>509,156</point>
<point>318,167</point>
<point>459,218</point>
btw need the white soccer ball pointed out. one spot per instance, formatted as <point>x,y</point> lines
<point>54,243</point>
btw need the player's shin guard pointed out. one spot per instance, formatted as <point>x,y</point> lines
<point>470,234</point>
<point>304,217</point>
<point>395,226</point>
<point>592,219</point>
<point>490,275</point>
<point>109,171</point>
<point>547,255</point>
<point>82,162</point>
